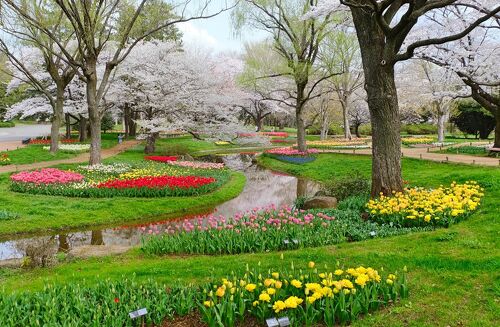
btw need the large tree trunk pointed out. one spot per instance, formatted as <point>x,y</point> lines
<point>259,123</point>
<point>82,129</point>
<point>325,126</point>
<point>126,117</point>
<point>151,143</point>
<point>441,125</point>
<point>345,114</point>
<point>68,126</point>
<point>95,120</point>
<point>356,130</point>
<point>57,121</point>
<point>383,104</point>
<point>497,131</point>
<point>299,116</point>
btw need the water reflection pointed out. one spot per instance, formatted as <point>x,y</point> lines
<point>263,188</point>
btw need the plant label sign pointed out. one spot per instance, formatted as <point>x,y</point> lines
<point>138,313</point>
<point>272,322</point>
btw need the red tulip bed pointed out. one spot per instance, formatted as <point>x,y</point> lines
<point>47,141</point>
<point>148,179</point>
<point>161,158</point>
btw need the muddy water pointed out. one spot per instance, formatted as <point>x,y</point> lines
<point>262,189</point>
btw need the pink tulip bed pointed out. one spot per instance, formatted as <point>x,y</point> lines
<point>263,229</point>
<point>293,156</point>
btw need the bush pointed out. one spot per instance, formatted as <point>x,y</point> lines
<point>419,129</point>
<point>107,122</point>
<point>350,185</point>
<point>471,118</point>
<point>365,129</point>
<point>355,203</point>
<point>6,124</point>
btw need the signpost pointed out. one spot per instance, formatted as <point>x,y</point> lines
<point>138,315</point>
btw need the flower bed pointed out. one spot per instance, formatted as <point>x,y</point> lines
<point>149,179</point>
<point>275,134</point>
<point>306,296</point>
<point>293,156</point>
<point>423,207</point>
<point>4,159</point>
<point>198,165</point>
<point>340,144</point>
<point>222,143</point>
<point>291,152</point>
<point>46,176</point>
<point>411,141</point>
<point>264,229</point>
<point>71,148</point>
<point>47,141</point>
<point>161,158</point>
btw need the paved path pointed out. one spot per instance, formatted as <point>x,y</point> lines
<point>106,153</point>
<point>421,153</point>
<point>20,132</point>
<point>10,145</point>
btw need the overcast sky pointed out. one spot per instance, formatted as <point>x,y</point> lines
<point>217,32</point>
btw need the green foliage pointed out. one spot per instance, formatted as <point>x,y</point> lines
<point>471,118</point>
<point>235,239</point>
<point>353,184</point>
<point>106,303</point>
<point>471,150</point>
<point>8,215</point>
<point>107,122</point>
<point>355,203</point>
<point>7,124</point>
<point>419,129</point>
<point>365,129</point>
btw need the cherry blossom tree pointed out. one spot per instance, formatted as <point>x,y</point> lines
<point>423,84</point>
<point>176,89</point>
<point>388,33</point>
<point>38,61</point>
<point>95,28</point>
<point>472,59</point>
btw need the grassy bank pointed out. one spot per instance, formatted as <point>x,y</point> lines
<point>36,153</point>
<point>453,272</point>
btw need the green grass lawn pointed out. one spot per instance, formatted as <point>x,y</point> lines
<point>35,153</point>
<point>454,273</point>
<point>43,213</point>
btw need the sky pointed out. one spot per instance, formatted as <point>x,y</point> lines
<point>217,32</point>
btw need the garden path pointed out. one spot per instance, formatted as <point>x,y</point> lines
<point>421,153</point>
<point>106,153</point>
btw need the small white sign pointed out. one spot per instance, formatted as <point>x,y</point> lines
<point>272,322</point>
<point>138,313</point>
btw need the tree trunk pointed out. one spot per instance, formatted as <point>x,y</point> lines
<point>441,125</point>
<point>126,117</point>
<point>383,104</point>
<point>324,128</point>
<point>301,125</point>
<point>82,129</point>
<point>68,126</point>
<point>259,124</point>
<point>94,119</point>
<point>151,143</point>
<point>356,130</point>
<point>57,121</point>
<point>345,116</point>
<point>497,131</point>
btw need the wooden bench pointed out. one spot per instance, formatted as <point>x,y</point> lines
<point>494,152</point>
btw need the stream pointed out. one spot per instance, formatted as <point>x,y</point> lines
<point>263,188</point>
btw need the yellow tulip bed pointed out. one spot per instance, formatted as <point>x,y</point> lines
<point>340,144</point>
<point>422,207</point>
<point>307,297</point>
<point>409,141</point>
